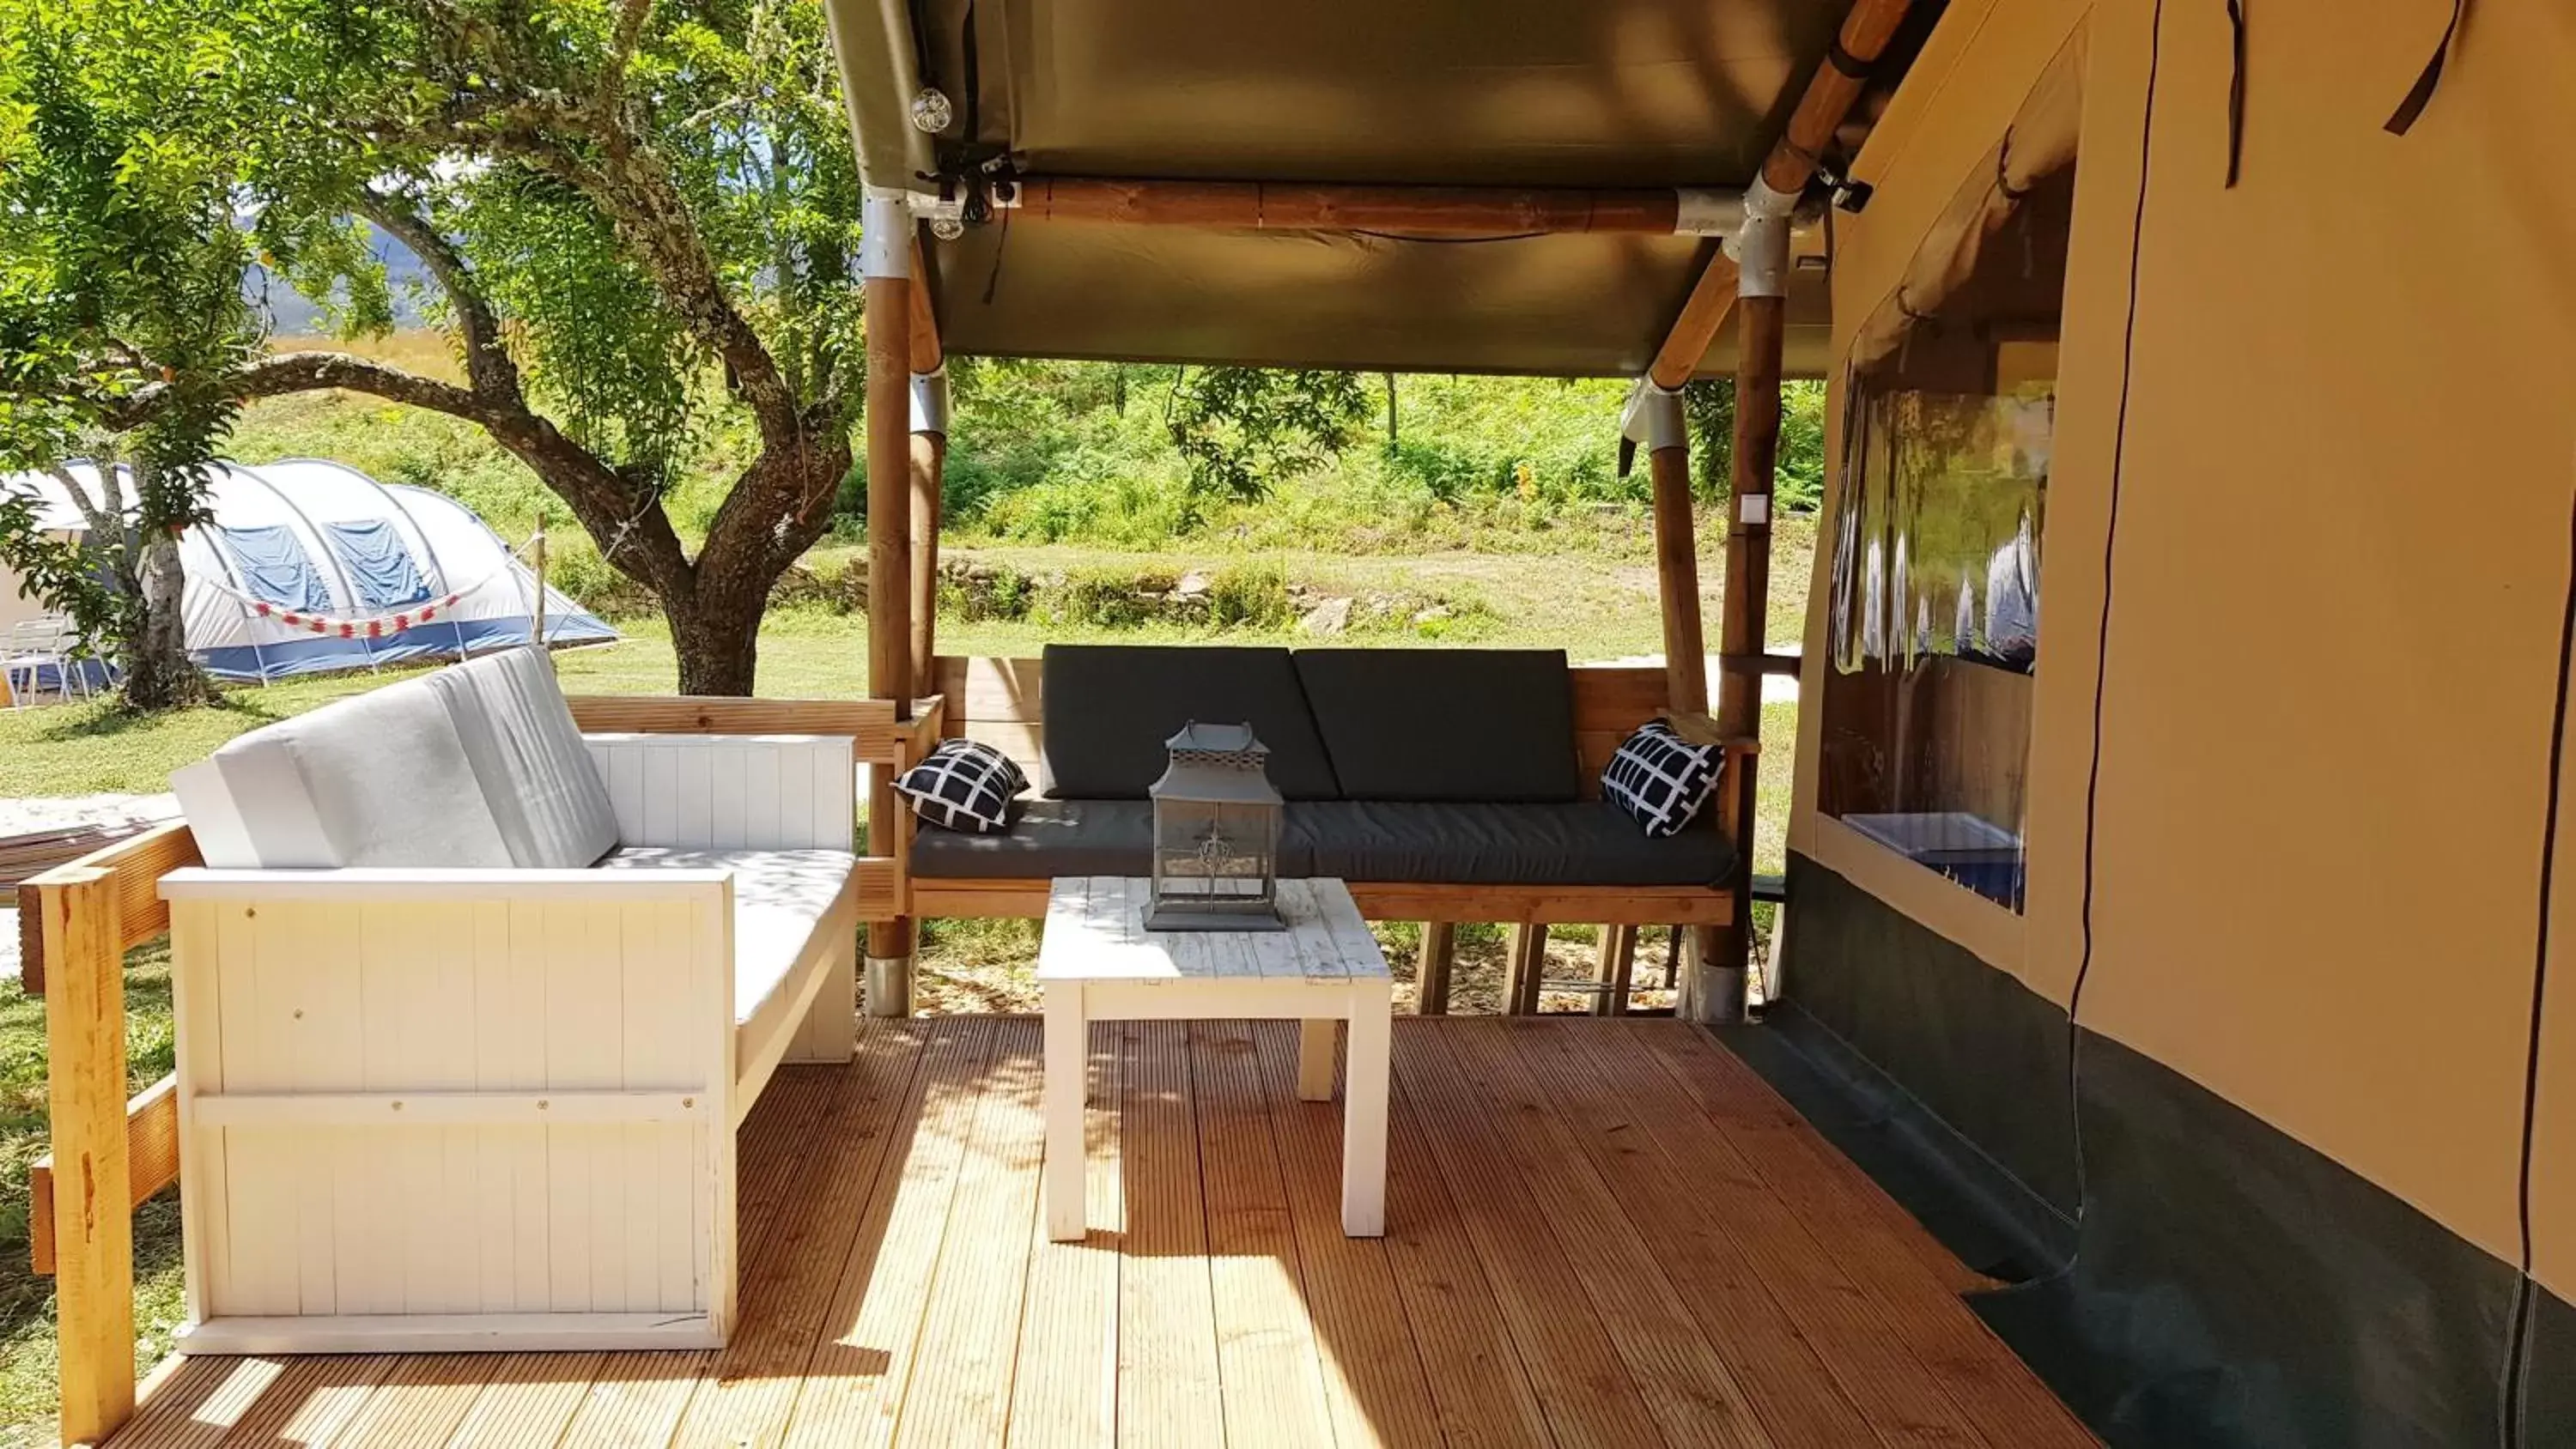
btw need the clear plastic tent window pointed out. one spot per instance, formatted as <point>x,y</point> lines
<point>1939,526</point>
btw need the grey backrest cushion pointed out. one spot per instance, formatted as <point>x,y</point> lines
<point>1110,707</point>
<point>538,778</point>
<point>1445,724</point>
<point>380,779</point>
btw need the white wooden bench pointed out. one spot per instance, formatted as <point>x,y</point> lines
<point>493,1106</point>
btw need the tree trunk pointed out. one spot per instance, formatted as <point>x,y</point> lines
<point>158,672</point>
<point>717,638</point>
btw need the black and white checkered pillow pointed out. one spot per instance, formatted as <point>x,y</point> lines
<point>963,785</point>
<point>1661,779</point>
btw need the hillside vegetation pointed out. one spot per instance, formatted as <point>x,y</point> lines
<point>1082,454</point>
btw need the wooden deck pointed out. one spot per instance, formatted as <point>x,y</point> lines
<point>1599,1233</point>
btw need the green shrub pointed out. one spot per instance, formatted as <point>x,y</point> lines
<point>1113,598</point>
<point>1250,596</point>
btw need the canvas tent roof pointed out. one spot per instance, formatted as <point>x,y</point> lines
<point>1522,93</point>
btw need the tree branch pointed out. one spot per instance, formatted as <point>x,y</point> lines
<point>626,517</point>
<point>489,369</point>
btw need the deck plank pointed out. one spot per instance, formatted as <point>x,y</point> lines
<point>854,1382</point>
<point>1374,1376</point>
<point>1979,1374</point>
<point>636,1398</point>
<point>1483,1393</point>
<point>1266,1350</point>
<point>310,1403</point>
<point>1754,1265</point>
<point>1581,1382</point>
<point>531,1400</point>
<point>960,1393</point>
<point>191,1403</point>
<point>752,1384</point>
<point>1065,1391</point>
<point>1598,1233</point>
<point>1694,1396</point>
<point>1169,1389</point>
<point>420,1403</point>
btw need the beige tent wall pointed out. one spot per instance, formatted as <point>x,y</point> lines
<point>2342,565</point>
<point>2342,560</point>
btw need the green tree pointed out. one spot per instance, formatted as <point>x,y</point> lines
<point>641,226</point>
<point>122,320</point>
<point>1239,429</point>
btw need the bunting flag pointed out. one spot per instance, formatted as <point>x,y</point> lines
<point>376,628</point>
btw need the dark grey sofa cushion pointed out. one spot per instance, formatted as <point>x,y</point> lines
<point>1110,707</point>
<point>1578,842</point>
<point>1060,837</point>
<point>1489,725</point>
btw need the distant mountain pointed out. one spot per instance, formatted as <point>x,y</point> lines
<point>291,314</point>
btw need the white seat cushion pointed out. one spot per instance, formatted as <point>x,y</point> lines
<point>537,776</point>
<point>380,779</point>
<point>779,898</point>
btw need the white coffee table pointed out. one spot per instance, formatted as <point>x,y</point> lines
<point>1097,962</point>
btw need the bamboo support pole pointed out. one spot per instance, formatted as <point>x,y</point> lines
<point>1415,210</point>
<point>927,464</point>
<point>1677,582</point>
<point>1431,968</point>
<point>93,1208</point>
<point>889,454</point>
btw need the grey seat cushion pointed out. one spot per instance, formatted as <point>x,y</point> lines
<point>1579,842</point>
<point>1110,707</point>
<point>379,779</point>
<point>779,898</point>
<point>538,778</point>
<point>1060,837</point>
<point>1445,724</point>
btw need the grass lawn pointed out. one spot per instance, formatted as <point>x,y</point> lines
<point>1594,608</point>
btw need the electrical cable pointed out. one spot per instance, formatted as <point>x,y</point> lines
<point>2515,1390</point>
<point>2102,641</point>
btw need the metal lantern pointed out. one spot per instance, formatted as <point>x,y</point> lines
<point>1216,834</point>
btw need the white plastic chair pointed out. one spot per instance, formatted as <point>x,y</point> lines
<point>34,646</point>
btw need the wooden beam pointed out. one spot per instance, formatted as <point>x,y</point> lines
<point>928,354</point>
<point>136,865</point>
<point>93,1201</point>
<point>152,1163</point>
<point>889,454</point>
<point>1614,969</point>
<point>1415,210</point>
<point>1431,968</point>
<point>1866,30</point>
<point>1704,312</point>
<point>929,463</point>
<point>1677,582</point>
<point>1526,969</point>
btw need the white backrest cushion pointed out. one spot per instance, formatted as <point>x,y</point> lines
<point>537,777</point>
<point>222,840</point>
<point>380,779</point>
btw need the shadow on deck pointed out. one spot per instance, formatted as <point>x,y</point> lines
<point>1599,1232</point>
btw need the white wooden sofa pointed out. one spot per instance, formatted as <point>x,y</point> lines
<point>469,1004</point>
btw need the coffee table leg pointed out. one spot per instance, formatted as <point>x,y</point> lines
<point>1315,1059</point>
<point>1068,1068</point>
<point>1364,1088</point>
